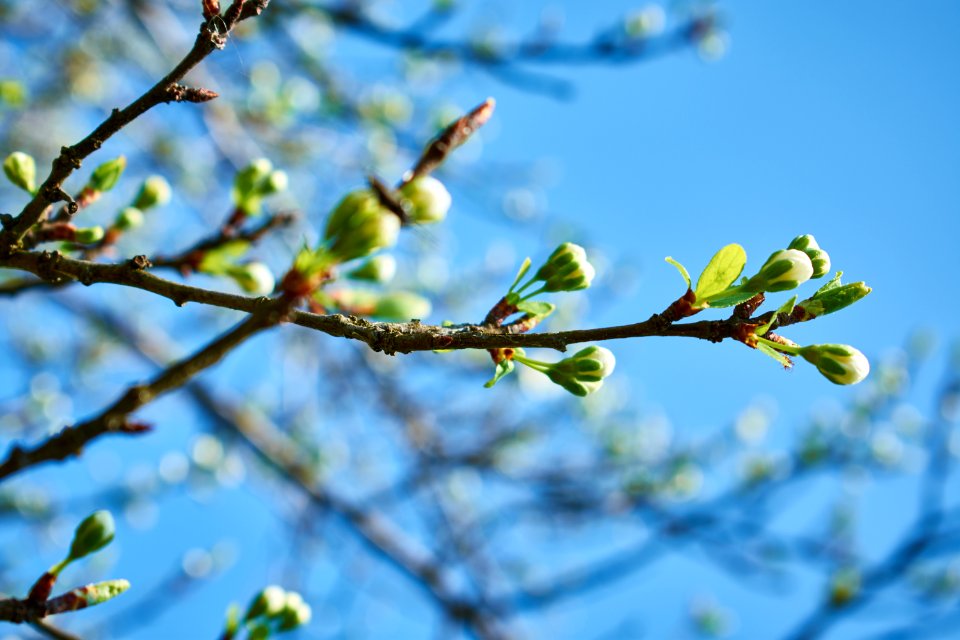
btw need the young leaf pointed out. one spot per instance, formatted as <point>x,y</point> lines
<point>536,309</point>
<point>523,271</point>
<point>504,367</point>
<point>776,355</point>
<point>785,308</point>
<point>731,300</point>
<point>682,269</point>
<point>832,284</point>
<point>722,271</point>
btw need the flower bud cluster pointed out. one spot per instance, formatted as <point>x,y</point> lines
<point>567,269</point>
<point>254,182</point>
<point>275,610</point>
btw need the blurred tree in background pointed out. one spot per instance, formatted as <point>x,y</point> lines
<point>391,495</point>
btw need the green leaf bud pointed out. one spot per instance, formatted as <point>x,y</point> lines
<point>785,269</point>
<point>567,269</point>
<point>93,534</point>
<point>360,225</point>
<point>21,170</point>
<point>128,218</point>
<point>839,363</point>
<point>584,371</point>
<point>818,257</point>
<point>835,298</point>
<point>155,192</point>
<point>268,603</point>
<point>402,306</point>
<point>254,277</point>
<point>295,612</point>
<point>106,176</point>
<point>89,235</point>
<point>88,596</point>
<point>377,269</point>
<point>425,200</point>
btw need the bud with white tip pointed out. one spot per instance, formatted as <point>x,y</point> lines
<point>268,603</point>
<point>839,363</point>
<point>785,269</point>
<point>254,277</point>
<point>425,200</point>
<point>819,258</point>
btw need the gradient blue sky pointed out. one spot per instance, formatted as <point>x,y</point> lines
<point>840,119</point>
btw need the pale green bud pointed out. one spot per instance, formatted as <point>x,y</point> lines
<point>583,372</point>
<point>254,277</point>
<point>106,176</point>
<point>839,363</point>
<point>93,534</point>
<point>822,303</point>
<point>785,269</point>
<point>377,269</point>
<point>818,257</point>
<point>567,269</point>
<point>155,192</point>
<point>402,305</point>
<point>425,200</point>
<point>360,225</point>
<point>268,603</point>
<point>128,218</point>
<point>21,170</point>
<point>89,235</point>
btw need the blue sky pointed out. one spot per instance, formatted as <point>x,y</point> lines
<point>836,119</point>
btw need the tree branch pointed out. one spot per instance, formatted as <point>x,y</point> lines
<point>212,36</point>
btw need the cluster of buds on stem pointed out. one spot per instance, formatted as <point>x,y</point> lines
<point>154,192</point>
<point>272,611</point>
<point>255,182</point>
<point>567,269</point>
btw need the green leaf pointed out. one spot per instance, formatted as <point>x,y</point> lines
<point>682,269</point>
<point>832,284</point>
<point>785,308</point>
<point>523,271</point>
<point>731,300</point>
<point>723,270</point>
<point>776,355</point>
<point>504,367</point>
<point>536,309</point>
